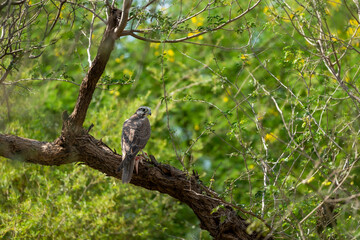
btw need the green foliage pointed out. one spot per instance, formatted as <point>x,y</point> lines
<point>262,118</point>
<point>77,202</point>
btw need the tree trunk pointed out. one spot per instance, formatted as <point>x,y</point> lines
<point>76,145</point>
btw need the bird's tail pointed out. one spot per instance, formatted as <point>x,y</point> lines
<point>127,165</point>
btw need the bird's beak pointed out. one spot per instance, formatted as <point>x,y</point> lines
<point>149,113</point>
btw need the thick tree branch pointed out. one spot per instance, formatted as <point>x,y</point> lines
<point>124,18</point>
<point>88,84</point>
<point>96,69</point>
<point>76,145</point>
<point>224,223</point>
<point>33,151</point>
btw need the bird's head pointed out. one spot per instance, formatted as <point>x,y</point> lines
<point>143,111</point>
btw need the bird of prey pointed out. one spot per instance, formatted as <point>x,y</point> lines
<point>135,134</point>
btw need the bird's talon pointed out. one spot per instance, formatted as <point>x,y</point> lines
<point>146,156</point>
<point>137,160</point>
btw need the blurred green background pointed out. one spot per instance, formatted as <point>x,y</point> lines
<point>232,103</point>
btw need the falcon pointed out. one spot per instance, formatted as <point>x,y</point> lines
<point>135,134</point>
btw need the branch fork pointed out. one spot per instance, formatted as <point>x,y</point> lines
<point>75,144</point>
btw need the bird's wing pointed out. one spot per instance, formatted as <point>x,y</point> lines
<point>143,133</point>
<point>136,133</point>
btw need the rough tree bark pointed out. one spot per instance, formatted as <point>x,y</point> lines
<point>76,145</point>
<point>222,224</point>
